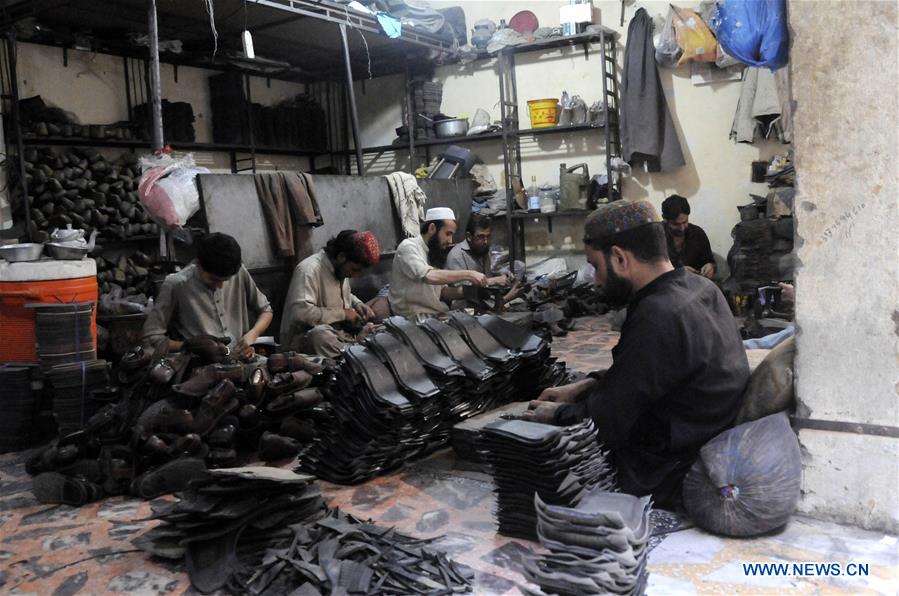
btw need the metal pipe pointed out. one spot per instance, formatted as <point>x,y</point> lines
<point>155,84</point>
<point>354,114</point>
<point>17,122</point>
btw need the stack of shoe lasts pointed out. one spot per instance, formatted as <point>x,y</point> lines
<point>597,547</point>
<point>558,464</point>
<point>228,515</point>
<point>535,354</point>
<point>367,425</point>
<point>63,333</point>
<point>179,415</point>
<point>72,386</point>
<point>18,407</point>
<point>341,554</point>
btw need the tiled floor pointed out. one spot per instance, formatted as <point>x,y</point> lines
<point>60,550</point>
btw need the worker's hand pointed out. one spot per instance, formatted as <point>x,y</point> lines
<point>516,291</point>
<point>788,292</point>
<point>563,394</point>
<point>350,316</point>
<point>244,348</point>
<point>542,411</point>
<point>708,270</point>
<point>365,311</point>
<point>690,269</point>
<point>477,278</point>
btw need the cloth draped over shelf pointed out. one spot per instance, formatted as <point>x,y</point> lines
<point>764,109</point>
<point>289,205</point>
<point>647,130</point>
<point>409,200</point>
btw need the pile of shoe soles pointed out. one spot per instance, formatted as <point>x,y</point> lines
<point>256,530</point>
<point>558,464</point>
<point>397,395</point>
<point>597,547</point>
<point>178,416</point>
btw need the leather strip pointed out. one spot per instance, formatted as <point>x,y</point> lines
<point>402,361</point>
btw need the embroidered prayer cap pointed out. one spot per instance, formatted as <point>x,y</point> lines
<point>368,247</point>
<point>618,216</point>
<point>439,213</point>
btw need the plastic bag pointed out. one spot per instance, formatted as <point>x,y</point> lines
<point>746,480</point>
<point>168,189</point>
<point>578,110</point>
<point>693,37</point>
<point>667,50</point>
<point>566,113</point>
<point>754,31</point>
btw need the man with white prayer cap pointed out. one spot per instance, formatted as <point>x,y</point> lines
<point>418,282</point>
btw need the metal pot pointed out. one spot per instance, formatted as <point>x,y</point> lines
<point>17,253</point>
<point>454,127</point>
<point>62,252</point>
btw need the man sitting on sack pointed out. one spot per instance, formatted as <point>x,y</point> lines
<point>418,281</point>
<point>214,296</point>
<point>679,369</point>
<point>321,314</point>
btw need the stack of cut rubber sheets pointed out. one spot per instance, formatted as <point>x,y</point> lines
<point>557,464</point>
<point>397,395</point>
<point>597,547</point>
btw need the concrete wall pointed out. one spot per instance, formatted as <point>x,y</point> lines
<point>845,82</point>
<point>92,87</point>
<point>716,178</point>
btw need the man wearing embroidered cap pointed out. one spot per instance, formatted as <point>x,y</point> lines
<point>321,314</point>
<point>418,282</point>
<point>679,369</point>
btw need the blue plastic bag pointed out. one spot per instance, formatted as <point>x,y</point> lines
<point>754,31</point>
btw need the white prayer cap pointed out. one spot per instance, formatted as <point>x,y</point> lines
<point>438,213</point>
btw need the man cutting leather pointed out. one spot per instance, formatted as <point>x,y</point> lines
<point>213,296</point>
<point>418,282</point>
<point>679,368</point>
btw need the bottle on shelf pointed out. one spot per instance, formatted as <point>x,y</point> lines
<point>533,196</point>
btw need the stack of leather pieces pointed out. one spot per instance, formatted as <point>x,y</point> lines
<point>18,407</point>
<point>599,546</point>
<point>341,554</point>
<point>367,425</point>
<point>558,464</point>
<point>533,351</point>
<point>73,386</point>
<point>63,333</point>
<point>228,515</point>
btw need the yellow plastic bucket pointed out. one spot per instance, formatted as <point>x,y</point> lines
<point>543,112</point>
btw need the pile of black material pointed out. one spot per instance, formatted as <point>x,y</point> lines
<point>82,188</point>
<point>173,417</point>
<point>397,397</point>
<point>63,333</point>
<point>225,522</point>
<point>266,531</point>
<point>177,121</point>
<point>573,299</point>
<point>558,464</point>
<point>41,120</point>
<point>597,547</point>
<point>763,242</point>
<point>299,123</point>
<point>78,390</point>
<point>19,406</point>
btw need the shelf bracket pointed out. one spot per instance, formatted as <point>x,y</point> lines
<point>65,57</point>
<point>586,50</point>
<point>175,71</point>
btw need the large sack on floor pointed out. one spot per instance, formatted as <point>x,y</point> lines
<point>770,387</point>
<point>747,479</point>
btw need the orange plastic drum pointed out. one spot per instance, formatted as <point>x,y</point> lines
<point>46,282</point>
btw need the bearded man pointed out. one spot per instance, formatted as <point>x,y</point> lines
<point>679,369</point>
<point>688,244</point>
<point>418,281</point>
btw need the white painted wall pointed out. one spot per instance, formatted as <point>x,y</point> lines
<point>92,87</point>
<point>715,179</point>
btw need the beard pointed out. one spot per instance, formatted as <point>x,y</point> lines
<point>618,291</point>
<point>677,233</point>
<point>436,255</point>
<point>478,251</point>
